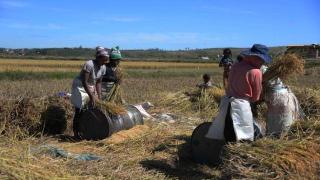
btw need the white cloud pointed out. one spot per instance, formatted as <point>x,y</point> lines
<point>100,18</point>
<point>22,25</point>
<point>13,4</point>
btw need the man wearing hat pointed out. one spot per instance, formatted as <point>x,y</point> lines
<point>111,80</point>
<point>86,87</point>
<point>235,121</point>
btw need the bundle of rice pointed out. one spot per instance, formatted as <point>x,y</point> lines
<point>214,93</point>
<point>33,115</point>
<point>203,101</point>
<point>115,94</point>
<point>119,74</point>
<point>111,108</point>
<point>283,66</point>
<point>179,101</point>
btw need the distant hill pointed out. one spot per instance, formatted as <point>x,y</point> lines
<point>214,54</point>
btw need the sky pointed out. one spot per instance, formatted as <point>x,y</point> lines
<point>165,24</point>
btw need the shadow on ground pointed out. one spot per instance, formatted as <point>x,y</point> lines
<point>179,164</point>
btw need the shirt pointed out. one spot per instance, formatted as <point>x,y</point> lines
<point>205,85</point>
<point>245,81</point>
<point>226,62</point>
<point>95,72</point>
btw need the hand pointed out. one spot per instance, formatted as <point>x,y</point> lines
<point>92,102</point>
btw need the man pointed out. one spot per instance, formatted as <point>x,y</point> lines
<point>226,62</point>
<point>235,121</point>
<point>86,87</point>
<point>112,79</point>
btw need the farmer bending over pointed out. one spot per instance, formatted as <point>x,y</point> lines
<point>112,79</point>
<point>235,121</point>
<point>86,88</point>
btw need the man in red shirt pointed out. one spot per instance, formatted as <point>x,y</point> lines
<point>235,121</point>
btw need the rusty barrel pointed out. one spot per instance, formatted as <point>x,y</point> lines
<point>96,124</point>
<point>205,150</point>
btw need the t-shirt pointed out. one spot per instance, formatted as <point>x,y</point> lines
<point>245,81</point>
<point>205,85</point>
<point>226,62</point>
<point>95,72</point>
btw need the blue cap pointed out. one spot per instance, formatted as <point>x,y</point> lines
<point>260,51</point>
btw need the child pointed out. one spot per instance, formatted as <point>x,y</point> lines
<point>226,62</point>
<point>206,82</point>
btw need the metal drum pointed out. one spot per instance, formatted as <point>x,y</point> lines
<point>96,124</point>
<point>204,150</point>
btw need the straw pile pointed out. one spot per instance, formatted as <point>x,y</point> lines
<point>294,156</point>
<point>283,66</point>
<point>127,135</point>
<point>203,101</point>
<point>27,116</point>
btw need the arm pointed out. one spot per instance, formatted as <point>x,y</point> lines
<point>98,88</point>
<point>255,80</point>
<point>84,76</point>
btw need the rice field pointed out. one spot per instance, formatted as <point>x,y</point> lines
<point>157,150</point>
<point>73,66</point>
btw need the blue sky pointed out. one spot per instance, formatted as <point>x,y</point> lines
<point>166,24</point>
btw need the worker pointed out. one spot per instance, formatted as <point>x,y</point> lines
<point>206,82</point>
<point>283,107</point>
<point>111,80</point>
<point>86,88</point>
<point>226,62</point>
<point>235,120</point>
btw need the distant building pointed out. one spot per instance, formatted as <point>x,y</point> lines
<point>205,58</point>
<point>306,51</point>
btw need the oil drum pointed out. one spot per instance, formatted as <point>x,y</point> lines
<point>96,124</point>
<point>205,150</point>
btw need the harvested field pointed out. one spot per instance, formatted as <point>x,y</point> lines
<point>158,149</point>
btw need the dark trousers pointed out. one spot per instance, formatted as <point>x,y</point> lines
<point>229,133</point>
<point>76,124</point>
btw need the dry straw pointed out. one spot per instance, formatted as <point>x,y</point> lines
<point>111,108</point>
<point>283,66</point>
<point>295,155</point>
<point>29,116</point>
<point>309,100</point>
<point>203,101</point>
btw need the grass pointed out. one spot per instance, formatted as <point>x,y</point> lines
<point>11,69</point>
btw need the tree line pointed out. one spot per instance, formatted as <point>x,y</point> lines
<point>79,53</point>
